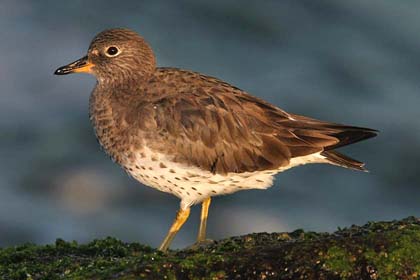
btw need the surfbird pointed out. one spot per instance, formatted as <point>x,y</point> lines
<point>193,135</point>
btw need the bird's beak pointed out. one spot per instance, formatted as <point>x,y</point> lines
<point>79,66</point>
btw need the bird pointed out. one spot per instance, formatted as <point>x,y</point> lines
<point>192,135</point>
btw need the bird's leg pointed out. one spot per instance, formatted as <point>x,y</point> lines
<point>203,220</point>
<point>180,219</point>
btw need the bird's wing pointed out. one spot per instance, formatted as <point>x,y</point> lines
<point>222,129</point>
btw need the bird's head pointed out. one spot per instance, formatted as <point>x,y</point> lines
<point>115,55</point>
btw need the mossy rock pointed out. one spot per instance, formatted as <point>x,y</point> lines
<point>377,250</point>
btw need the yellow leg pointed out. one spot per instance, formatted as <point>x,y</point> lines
<point>203,220</point>
<point>180,219</point>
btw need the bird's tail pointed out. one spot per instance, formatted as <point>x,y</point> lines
<point>339,159</point>
<point>350,134</point>
<point>347,135</point>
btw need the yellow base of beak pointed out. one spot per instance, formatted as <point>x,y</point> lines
<point>82,65</point>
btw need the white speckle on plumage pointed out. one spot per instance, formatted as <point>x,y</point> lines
<point>192,184</point>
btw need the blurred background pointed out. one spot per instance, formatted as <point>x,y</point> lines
<point>354,62</point>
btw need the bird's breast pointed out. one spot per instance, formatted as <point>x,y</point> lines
<point>112,130</point>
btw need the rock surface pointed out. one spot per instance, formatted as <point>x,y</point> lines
<point>377,250</point>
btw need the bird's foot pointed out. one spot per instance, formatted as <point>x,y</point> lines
<point>201,244</point>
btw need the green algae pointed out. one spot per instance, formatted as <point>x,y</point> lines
<point>401,256</point>
<point>340,261</point>
<point>377,250</point>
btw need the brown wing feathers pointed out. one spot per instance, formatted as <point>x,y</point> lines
<point>223,129</point>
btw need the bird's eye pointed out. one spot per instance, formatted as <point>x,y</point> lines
<point>112,51</point>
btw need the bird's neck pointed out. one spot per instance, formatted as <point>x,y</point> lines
<point>122,82</point>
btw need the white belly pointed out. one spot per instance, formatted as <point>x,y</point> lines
<point>191,184</point>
